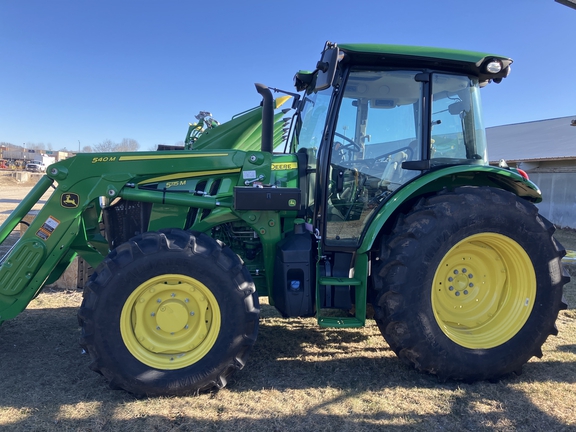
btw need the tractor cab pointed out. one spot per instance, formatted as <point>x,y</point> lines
<point>372,121</point>
<point>379,122</point>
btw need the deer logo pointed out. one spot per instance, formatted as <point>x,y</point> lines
<point>69,200</point>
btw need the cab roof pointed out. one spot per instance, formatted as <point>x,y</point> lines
<point>469,62</point>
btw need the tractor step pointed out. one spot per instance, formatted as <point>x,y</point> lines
<point>340,293</point>
<point>341,322</point>
<point>339,281</point>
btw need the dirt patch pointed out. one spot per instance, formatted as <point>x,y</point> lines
<point>12,191</point>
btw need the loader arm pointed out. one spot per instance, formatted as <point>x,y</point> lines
<point>68,222</point>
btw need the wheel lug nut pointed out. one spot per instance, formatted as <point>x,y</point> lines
<point>159,301</point>
<point>451,288</point>
<point>450,279</point>
<point>465,292</point>
<point>470,285</point>
<point>172,295</point>
<point>192,313</point>
<point>463,270</point>
<point>153,314</point>
<point>157,327</point>
<point>457,293</point>
<point>455,271</point>
<point>470,275</point>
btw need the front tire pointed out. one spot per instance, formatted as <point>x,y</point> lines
<point>469,284</point>
<point>169,313</point>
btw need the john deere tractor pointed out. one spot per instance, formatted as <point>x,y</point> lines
<point>379,194</point>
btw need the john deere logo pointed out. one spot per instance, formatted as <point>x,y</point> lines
<point>292,203</point>
<point>69,200</point>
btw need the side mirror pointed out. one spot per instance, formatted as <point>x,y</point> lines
<point>326,68</point>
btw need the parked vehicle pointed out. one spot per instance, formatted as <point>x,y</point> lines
<point>382,194</point>
<point>36,166</point>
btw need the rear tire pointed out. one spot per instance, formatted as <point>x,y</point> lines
<point>469,284</point>
<point>169,313</point>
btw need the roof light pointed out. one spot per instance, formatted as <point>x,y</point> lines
<point>494,66</point>
<point>523,173</point>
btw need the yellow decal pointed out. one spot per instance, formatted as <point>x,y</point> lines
<point>103,159</point>
<point>171,156</point>
<point>175,183</point>
<point>284,166</point>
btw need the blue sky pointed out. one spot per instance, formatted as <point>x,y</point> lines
<point>90,70</point>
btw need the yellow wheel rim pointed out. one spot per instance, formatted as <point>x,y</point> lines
<point>483,291</point>
<point>170,321</point>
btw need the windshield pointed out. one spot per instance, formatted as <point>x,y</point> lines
<point>311,122</point>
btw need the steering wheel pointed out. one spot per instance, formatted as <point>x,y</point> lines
<point>352,146</point>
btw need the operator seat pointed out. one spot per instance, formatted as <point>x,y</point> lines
<point>392,175</point>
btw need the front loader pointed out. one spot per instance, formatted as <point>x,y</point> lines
<point>381,194</point>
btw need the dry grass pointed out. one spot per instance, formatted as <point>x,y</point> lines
<point>298,377</point>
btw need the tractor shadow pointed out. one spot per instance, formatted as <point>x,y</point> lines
<point>44,370</point>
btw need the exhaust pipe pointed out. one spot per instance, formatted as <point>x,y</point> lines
<point>267,117</point>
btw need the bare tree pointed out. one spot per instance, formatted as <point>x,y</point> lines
<point>108,145</point>
<point>87,149</point>
<point>105,146</point>
<point>128,144</point>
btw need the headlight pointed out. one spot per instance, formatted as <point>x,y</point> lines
<point>494,66</point>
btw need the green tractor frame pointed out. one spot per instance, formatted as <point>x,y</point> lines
<point>373,188</point>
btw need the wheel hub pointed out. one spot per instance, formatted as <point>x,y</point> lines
<point>172,316</point>
<point>483,290</point>
<point>170,321</point>
<point>461,282</point>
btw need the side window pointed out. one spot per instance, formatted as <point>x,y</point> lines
<point>457,134</point>
<point>447,131</point>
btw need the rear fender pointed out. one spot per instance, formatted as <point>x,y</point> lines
<point>450,177</point>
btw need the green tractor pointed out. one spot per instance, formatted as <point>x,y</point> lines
<point>380,193</point>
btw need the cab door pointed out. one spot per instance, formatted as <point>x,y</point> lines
<point>377,128</point>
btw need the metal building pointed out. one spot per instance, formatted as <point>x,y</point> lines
<point>546,150</point>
